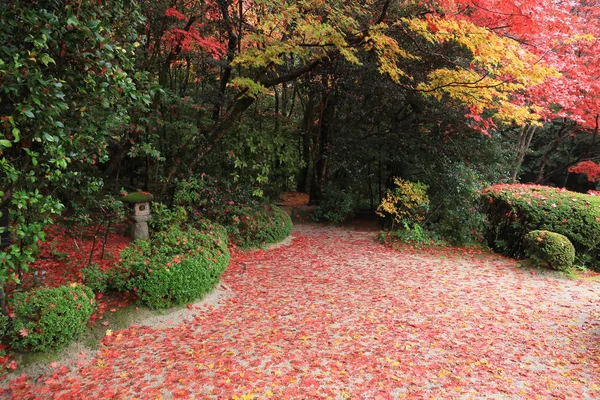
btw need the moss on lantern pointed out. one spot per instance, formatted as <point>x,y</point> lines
<point>137,197</point>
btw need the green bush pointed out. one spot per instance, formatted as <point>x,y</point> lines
<point>48,319</point>
<point>3,325</point>
<point>248,223</point>
<point>337,206</point>
<point>175,266</point>
<point>514,210</point>
<point>414,235</point>
<point>95,278</point>
<point>165,218</point>
<point>550,248</point>
<point>255,226</point>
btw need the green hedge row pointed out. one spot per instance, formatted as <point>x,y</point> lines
<point>255,226</point>
<point>515,210</point>
<point>248,222</point>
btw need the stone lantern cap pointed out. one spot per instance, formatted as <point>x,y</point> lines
<point>137,197</point>
<point>139,202</point>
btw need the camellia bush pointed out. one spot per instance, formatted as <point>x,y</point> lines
<point>67,83</point>
<point>515,210</point>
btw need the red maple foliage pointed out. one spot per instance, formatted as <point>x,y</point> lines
<point>564,34</point>
<point>589,168</point>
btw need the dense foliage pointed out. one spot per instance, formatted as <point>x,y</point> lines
<point>551,249</point>
<point>48,319</point>
<point>249,223</point>
<point>515,210</point>
<point>68,83</point>
<point>176,266</point>
<point>216,107</point>
<point>407,203</point>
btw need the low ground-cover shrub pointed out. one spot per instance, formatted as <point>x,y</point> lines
<point>48,319</point>
<point>415,236</point>
<point>514,210</point>
<point>176,266</point>
<point>551,249</point>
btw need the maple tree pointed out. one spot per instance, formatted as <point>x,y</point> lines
<point>589,168</point>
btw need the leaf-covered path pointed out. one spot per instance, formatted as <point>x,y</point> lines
<point>336,315</point>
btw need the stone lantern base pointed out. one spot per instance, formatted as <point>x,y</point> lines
<point>139,227</point>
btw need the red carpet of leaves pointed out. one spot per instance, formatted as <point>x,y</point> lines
<point>336,315</point>
<point>67,250</point>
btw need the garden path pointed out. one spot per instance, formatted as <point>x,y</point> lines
<point>337,315</point>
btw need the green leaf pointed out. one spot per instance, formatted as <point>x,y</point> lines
<point>17,134</point>
<point>46,59</point>
<point>72,20</point>
<point>5,144</point>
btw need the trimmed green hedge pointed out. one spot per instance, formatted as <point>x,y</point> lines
<point>48,319</point>
<point>248,222</point>
<point>550,248</point>
<point>176,266</point>
<point>514,210</point>
<point>256,226</point>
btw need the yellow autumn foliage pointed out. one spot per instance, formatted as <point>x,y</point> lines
<point>407,202</point>
<point>499,68</point>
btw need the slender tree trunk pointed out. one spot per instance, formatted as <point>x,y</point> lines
<point>523,143</point>
<point>232,45</point>
<point>307,125</point>
<point>321,161</point>
<point>546,156</point>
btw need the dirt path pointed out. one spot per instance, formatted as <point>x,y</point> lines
<point>336,315</point>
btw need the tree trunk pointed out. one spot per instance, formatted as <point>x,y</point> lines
<point>307,128</point>
<point>321,159</point>
<point>232,44</point>
<point>546,156</point>
<point>523,143</point>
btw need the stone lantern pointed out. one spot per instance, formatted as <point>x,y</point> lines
<point>139,215</point>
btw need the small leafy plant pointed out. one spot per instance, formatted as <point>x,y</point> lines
<point>407,202</point>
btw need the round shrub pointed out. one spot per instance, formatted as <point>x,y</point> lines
<point>514,210</point>
<point>248,223</point>
<point>552,249</point>
<point>48,319</point>
<point>176,266</point>
<point>256,226</point>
